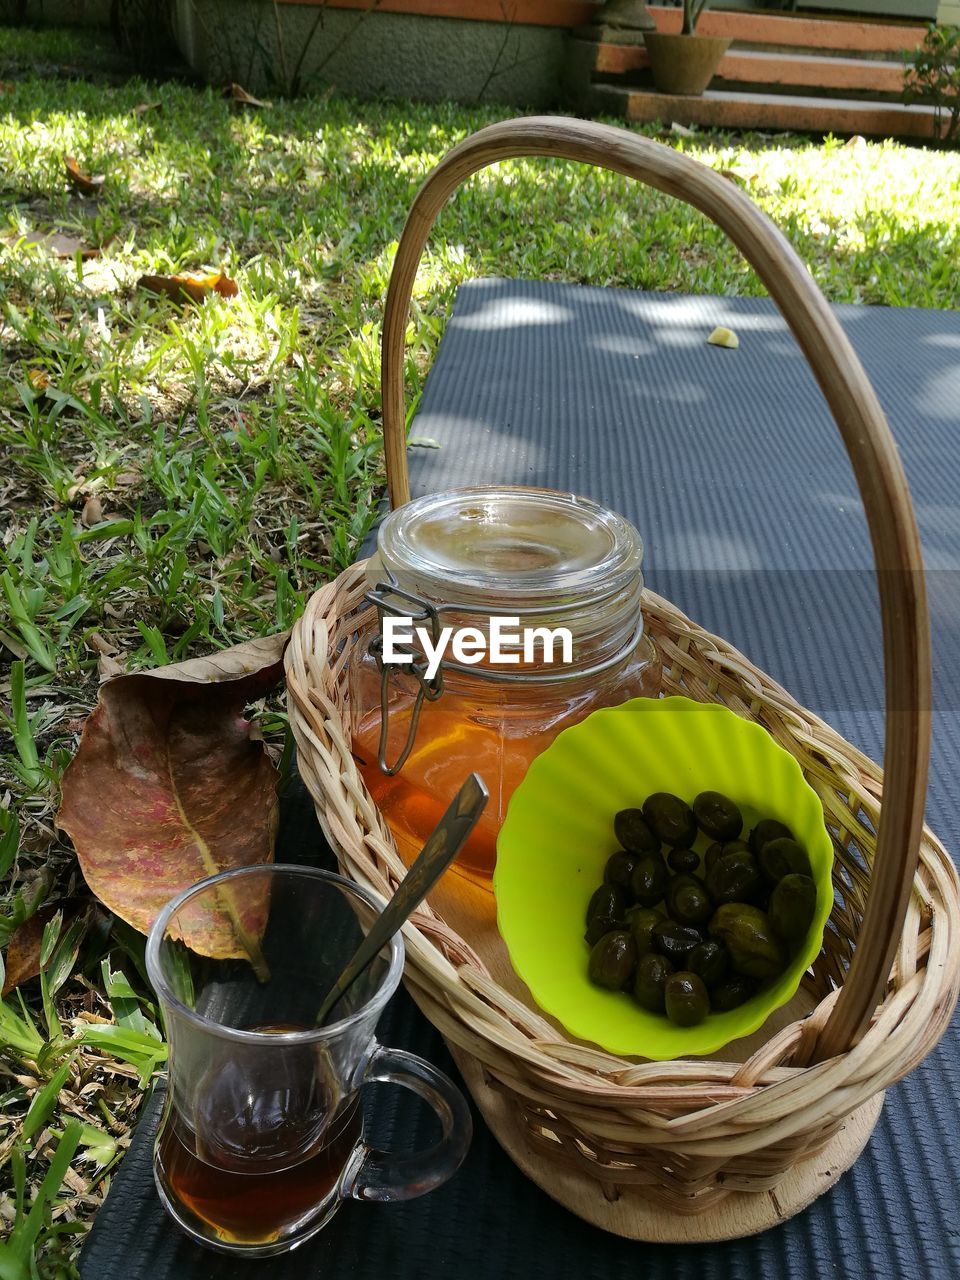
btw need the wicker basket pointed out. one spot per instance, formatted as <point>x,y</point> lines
<point>692,1149</point>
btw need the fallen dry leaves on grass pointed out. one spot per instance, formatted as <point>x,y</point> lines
<point>89,184</point>
<point>196,288</point>
<point>240,98</point>
<point>170,785</point>
<point>23,949</point>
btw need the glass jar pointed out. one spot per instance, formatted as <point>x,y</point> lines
<point>461,559</point>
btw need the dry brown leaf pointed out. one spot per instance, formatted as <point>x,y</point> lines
<point>108,668</point>
<point>92,512</point>
<point>7,641</point>
<point>196,288</point>
<point>23,949</point>
<point>169,785</point>
<point>88,183</point>
<point>60,245</point>
<point>96,641</point>
<point>249,659</point>
<point>240,98</point>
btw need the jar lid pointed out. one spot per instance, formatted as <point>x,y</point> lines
<point>510,544</point>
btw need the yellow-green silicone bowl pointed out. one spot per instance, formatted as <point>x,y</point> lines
<point>558,833</point>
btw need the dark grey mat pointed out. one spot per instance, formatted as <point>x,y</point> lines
<point>730,465</point>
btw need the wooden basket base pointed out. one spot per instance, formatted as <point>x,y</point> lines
<point>739,1214</point>
<point>471,911</point>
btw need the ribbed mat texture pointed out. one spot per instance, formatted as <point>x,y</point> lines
<point>731,467</point>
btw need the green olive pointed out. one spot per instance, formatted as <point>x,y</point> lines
<point>686,1000</point>
<point>732,992</point>
<point>670,820</point>
<point>717,816</point>
<point>714,852</point>
<point>683,861</point>
<point>606,911</point>
<point>649,880</point>
<point>783,857</point>
<point>675,941</point>
<point>717,850</point>
<point>688,900</point>
<point>793,904</point>
<point>631,829</point>
<point>619,869</point>
<point>652,974</point>
<point>709,961</point>
<point>766,830</point>
<point>754,948</point>
<point>734,877</point>
<point>641,922</point>
<point>612,962</point>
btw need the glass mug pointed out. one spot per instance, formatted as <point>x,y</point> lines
<point>262,1132</point>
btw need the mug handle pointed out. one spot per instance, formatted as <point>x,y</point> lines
<point>388,1175</point>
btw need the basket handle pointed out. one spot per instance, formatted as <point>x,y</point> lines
<point>866,435</point>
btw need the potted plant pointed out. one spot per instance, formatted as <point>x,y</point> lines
<point>685,63</point>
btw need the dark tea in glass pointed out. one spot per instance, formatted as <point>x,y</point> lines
<point>262,1134</point>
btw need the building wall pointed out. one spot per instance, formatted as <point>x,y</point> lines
<point>372,54</point>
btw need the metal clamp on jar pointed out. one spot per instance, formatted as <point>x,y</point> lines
<point>464,563</point>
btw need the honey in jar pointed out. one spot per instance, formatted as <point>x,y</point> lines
<point>485,558</point>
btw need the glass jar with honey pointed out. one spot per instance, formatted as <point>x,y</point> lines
<point>504,568</point>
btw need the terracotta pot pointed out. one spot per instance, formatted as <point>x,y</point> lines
<point>683,64</point>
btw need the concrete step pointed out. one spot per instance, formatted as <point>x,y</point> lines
<point>719,108</point>
<point>794,70</point>
<point>800,32</point>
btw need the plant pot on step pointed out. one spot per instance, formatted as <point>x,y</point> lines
<point>683,64</point>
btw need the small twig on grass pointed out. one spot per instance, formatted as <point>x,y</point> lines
<point>280,45</point>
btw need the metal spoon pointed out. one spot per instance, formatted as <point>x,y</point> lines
<point>441,848</point>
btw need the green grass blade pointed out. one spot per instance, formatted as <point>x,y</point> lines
<point>54,1029</point>
<point>13,1266</point>
<point>18,1167</point>
<point>51,933</point>
<point>19,1033</point>
<point>142,1051</point>
<point>9,841</point>
<point>29,634</point>
<point>21,728</point>
<point>99,1144</point>
<point>125,1002</point>
<point>64,955</point>
<point>24,1234</point>
<point>155,643</point>
<point>44,1101</point>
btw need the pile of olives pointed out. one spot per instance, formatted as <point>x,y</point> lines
<point>686,939</point>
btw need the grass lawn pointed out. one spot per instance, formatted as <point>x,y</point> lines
<point>176,478</point>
